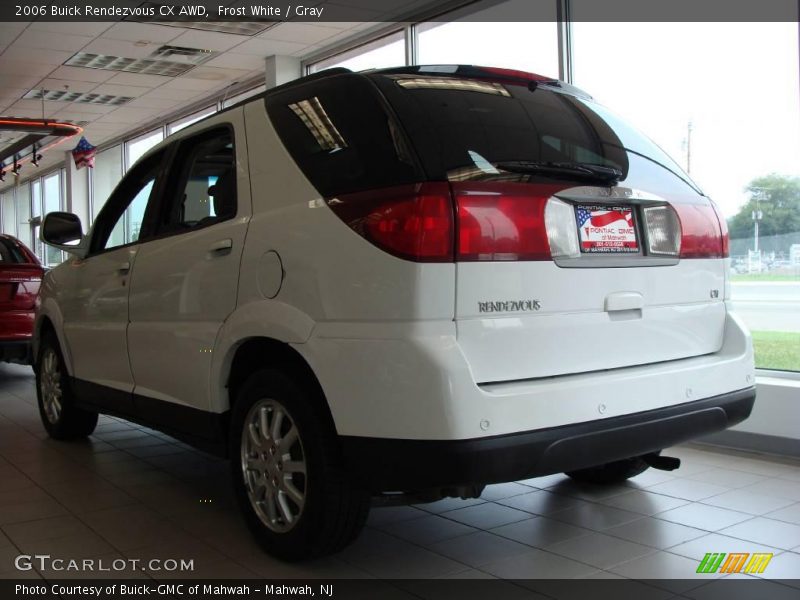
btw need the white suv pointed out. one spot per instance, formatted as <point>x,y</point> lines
<point>406,283</point>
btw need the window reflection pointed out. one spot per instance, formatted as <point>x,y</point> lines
<point>317,121</point>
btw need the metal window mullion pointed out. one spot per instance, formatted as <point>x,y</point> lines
<point>564,23</point>
<point>412,45</point>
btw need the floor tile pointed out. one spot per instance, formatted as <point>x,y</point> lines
<point>701,516</point>
<point>600,550</point>
<point>540,502</point>
<point>644,502</point>
<point>503,490</point>
<point>538,564</point>
<point>588,491</point>
<point>783,488</point>
<point>595,516</point>
<point>540,532</point>
<point>766,531</point>
<point>486,516</point>
<point>790,514</point>
<point>388,557</point>
<point>688,489</point>
<point>663,569</point>
<point>748,502</point>
<point>727,477</point>
<point>393,514</point>
<point>655,532</point>
<point>427,530</point>
<point>446,504</point>
<point>479,548</point>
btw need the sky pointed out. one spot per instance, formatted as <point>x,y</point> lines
<point>738,84</point>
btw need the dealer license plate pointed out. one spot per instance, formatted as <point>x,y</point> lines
<point>606,229</point>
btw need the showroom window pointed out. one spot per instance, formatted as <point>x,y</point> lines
<point>105,176</point>
<point>51,202</point>
<point>23,206</point>
<point>136,148</point>
<point>388,51</point>
<point>8,213</point>
<point>188,120</point>
<point>742,147</point>
<point>491,38</point>
<point>227,102</point>
<point>36,212</point>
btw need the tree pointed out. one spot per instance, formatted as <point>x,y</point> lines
<point>778,198</point>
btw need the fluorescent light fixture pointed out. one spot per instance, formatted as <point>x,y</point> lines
<point>79,97</point>
<point>146,66</point>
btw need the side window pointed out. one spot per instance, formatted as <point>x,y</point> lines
<point>123,219</point>
<point>203,191</point>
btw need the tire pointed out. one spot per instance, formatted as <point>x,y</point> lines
<point>62,419</point>
<point>297,498</point>
<point>613,472</point>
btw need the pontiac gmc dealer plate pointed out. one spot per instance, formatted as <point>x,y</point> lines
<point>605,229</point>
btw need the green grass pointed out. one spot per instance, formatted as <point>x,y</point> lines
<point>777,350</point>
<point>765,277</point>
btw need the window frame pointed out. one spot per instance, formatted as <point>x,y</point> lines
<point>119,201</point>
<point>174,179</point>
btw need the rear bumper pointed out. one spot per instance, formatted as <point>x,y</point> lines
<point>408,465</point>
<point>412,381</point>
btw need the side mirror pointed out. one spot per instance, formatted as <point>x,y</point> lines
<point>63,230</point>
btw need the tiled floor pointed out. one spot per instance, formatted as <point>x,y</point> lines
<point>134,493</point>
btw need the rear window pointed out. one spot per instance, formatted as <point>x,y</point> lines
<point>11,253</point>
<point>341,134</point>
<point>461,127</point>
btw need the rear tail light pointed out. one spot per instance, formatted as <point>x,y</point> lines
<point>505,222</point>
<point>663,231</point>
<point>414,222</point>
<point>702,233</point>
<point>723,227</point>
<point>430,222</point>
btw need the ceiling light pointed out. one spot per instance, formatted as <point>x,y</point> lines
<point>146,66</point>
<point>193,55</point>
<point>78,97</point>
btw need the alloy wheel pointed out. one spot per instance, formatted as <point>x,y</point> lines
<point>50,386</point>
<point>274,465</point>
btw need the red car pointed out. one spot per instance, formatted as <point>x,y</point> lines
<point>20,278</point>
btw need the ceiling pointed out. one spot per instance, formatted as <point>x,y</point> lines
<point>32,57</point>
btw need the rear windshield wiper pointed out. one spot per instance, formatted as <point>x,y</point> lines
<point>565,170</point>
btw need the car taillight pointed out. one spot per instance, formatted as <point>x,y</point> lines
<point>504,221</point>
<point>414,222</point>
<point>701,231</point>
<point>723,227</point>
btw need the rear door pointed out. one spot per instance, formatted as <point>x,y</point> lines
<point>623,290</point>
<point>186,280</point>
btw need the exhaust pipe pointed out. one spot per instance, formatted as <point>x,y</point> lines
<point>662,463</point>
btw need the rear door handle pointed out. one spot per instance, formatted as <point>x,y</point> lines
<point>221,245</point>
<point>624,301</point>
<point>124,267</point>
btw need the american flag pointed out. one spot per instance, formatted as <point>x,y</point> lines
<point>83,154</point>
<point>601,218</point>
